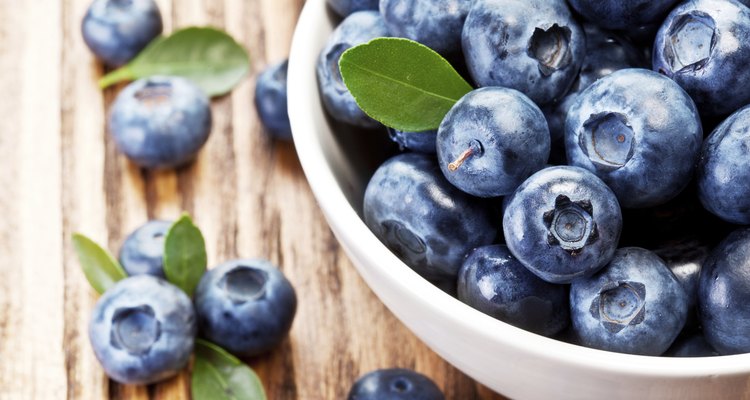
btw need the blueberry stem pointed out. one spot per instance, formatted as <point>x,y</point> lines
<point>473,148</point>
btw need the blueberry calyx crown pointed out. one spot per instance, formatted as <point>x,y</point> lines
<point>571,225</point>
<point>154,93</point>
<point>135,329</point>
<point>607,140</point>
<point>243,284</point>
<point>551,48</point>
<point>690,42</point>
<point>402,240</point>
<point>620,304</point>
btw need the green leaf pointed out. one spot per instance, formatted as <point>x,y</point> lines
<point>218,375</point>
<point>101,269</point>
<point>207,56</point>
<point>401,83</point>
<point>184,255</point>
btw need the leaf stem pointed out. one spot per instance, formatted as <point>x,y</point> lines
<point>118,75</point>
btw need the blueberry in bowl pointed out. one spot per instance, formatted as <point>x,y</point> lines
<point>533,46</point>
<point>633,305</point>
<point>436,24</point>
<point>704,46</point>
<point>622,14</point>
<point>491,140</point>
<point>491,280</point>
<point>357,28</point>
<point>142,330</point>
<point>724,161</point>
<point>426,221</point>
<point>639,132</point>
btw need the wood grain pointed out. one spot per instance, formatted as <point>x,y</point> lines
<point>61,173</point>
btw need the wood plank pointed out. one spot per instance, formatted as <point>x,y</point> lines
<point>62,174</point>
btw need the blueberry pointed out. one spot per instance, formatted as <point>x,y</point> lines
<point>634,305</point>
<point>534,46</point>
<point>142,330</point>
<point>358,28</point>
<point>117,30</point>
<point>562,223</point>
<point>685,258</point>
<point>704,45</point>
<point>245,306</point>
<point>143,250</point>
<point>606,52</point>
<point>436,24</point>
<point>723,168</point>
<point>724,292</point>
<point>691,345</point>
<point>639,132</point>
<point>622,14</point>
<point>494,282</point>
<point>394,384</point>
<point>271,100</point>
<point>427,222</point>
<point>421,142</point>
<point>160,122</point>
<point>346,7</point>
<point>491,140</point>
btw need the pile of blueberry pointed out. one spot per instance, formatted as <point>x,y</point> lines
<point>143,328</point>
<point>573,193</point>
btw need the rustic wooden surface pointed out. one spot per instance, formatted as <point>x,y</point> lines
<point>61,173</point>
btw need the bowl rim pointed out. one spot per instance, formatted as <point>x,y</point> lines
<point>352,231</point>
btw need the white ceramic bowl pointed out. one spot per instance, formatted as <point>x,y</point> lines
<point>513,362</point>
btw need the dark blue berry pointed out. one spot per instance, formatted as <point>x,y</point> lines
<point>142,330</point>
<point>394,384</point>
<point>245,306</point>
<point>271,100</point>
<point>160,122</point>
<point>117,30</point>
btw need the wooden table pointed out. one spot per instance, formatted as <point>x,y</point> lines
<point>61,173</point>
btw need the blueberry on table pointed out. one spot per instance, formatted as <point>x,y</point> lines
<point>358,28</point>
<point>394,384</point>
<point>346,7</point>
<point>161,121</point>
<point>436,24</point>
<point>491,140</point>
<point>245,306</point>
<point>562,223</point>
<point>117,30</point>
<point>704,46</point>
<point>495,283</point>
<point>633,305</point>
<point>427,222</point>
<point>142,330</point>
<point>622,14</point>
<point>606,52</point>
<point>143,249</point>
<point>724,167</point>
<point>533,46</point>
<point>639,132</point>
<point>724,293</point>
<point>271,100</point>
<point>420,142</point>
